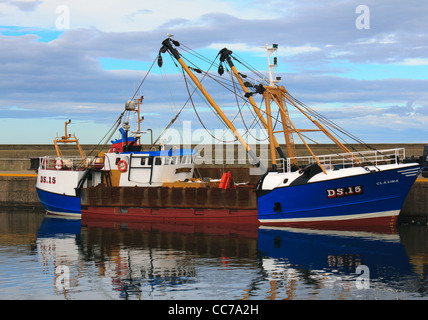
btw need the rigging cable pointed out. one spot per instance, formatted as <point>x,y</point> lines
<point>223,82</point>
<point>119,119</point>
<point>197,114</point>
<point>256,119</point>
<point>147,73</point>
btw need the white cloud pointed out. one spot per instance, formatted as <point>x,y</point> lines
<point>64,78</point>
<point>298,50</point>
<point>24,5</point>
<point>414,62</point>
<point>238,47</point>
<point>120,16</point>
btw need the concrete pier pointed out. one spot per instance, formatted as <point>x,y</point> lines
<point>415,207</point>
<point>18,189</point>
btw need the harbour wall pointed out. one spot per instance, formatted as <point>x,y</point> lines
<point>415,207</point>
<point>18,190</point>
<point>18,157</point>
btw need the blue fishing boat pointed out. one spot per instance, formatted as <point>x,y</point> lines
<point>351,197</point>
<point>347,188</point>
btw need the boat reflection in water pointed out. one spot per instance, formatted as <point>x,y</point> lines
<point>331,263</point>
<point>161,260</point>
<point>57,245</point>
<point>126,260</point>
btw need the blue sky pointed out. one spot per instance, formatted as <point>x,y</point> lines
<point>81,60</point>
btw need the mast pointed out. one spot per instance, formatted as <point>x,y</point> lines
<point>272,94</point>
<point>167,45</point>
<point>270,51</point>
<point>140,119</point>
<point>278,94</point>
<point>130,107</point>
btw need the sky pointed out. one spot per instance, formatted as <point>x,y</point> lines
<point>363,64</point>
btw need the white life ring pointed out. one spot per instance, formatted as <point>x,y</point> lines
<point>58,163</point>
<point>122,166</point>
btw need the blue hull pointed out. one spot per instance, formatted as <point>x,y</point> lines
<point>59,204</point>
<point>340,252</point>
<point>377,195</point>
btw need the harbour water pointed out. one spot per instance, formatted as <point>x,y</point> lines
<point>50,258</point>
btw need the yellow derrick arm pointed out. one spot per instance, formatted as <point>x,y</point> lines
<point>168,46</point>
<point>288,133</point>
<point>297,131</point>
<point>267,97</point>
<point>253,104</point>
<point>213,104</point>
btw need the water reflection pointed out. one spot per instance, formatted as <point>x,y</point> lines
<point>117,260</point>
<point>164,260</point>
<point>323,260</point>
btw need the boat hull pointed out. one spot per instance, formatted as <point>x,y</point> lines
<point>57,191</point>
<point>59,204</point>
<point>368,199</point>
<point>182,204</point>
<point>171,215</point>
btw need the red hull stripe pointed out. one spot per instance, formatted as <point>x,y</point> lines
<point>171,214</point>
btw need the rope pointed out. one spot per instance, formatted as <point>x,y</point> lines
<point>118,121</point>
<point>147,73</point>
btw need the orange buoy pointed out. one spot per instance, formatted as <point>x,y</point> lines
<point>223,181</point>
<point>226,181</point>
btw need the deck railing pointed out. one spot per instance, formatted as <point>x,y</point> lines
<point>68,163</point>
<point>346,160</point>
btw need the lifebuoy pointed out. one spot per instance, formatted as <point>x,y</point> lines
<point>122,166</point>
<point>58,163</point>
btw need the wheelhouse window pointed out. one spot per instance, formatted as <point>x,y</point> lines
<point>145,161</point>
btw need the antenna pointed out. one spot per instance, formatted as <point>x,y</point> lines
<point>272,67</point>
